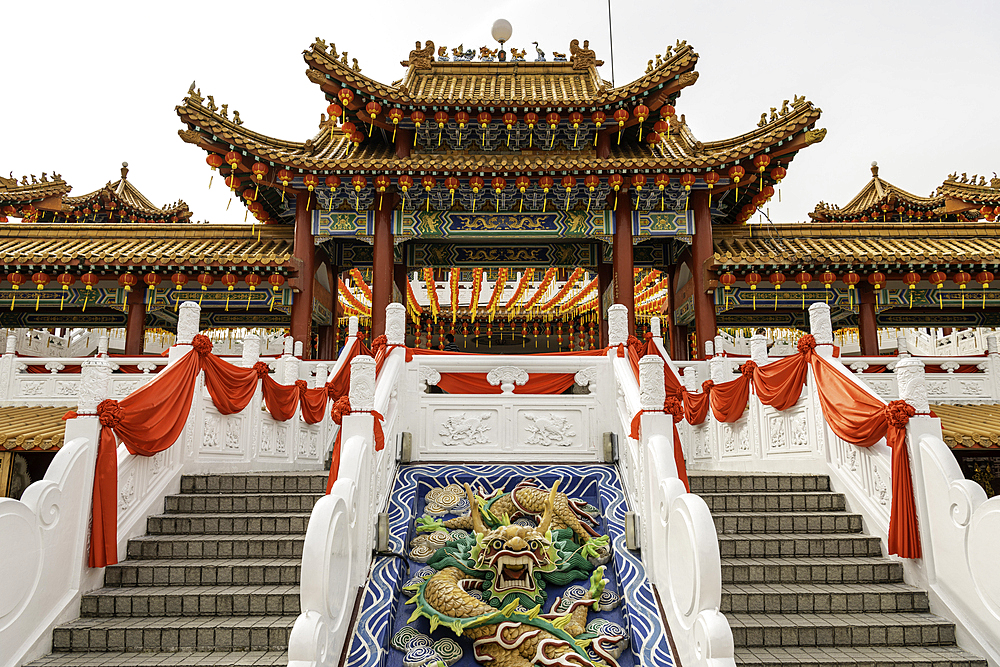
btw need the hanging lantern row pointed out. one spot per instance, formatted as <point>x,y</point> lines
<point>29,213</point>
<point>877,280</point>
<point>510,120</point>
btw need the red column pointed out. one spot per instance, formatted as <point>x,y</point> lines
<point>667,325</point>
<point>867,326</point>
<point>702,250</point>
<point>603,145</point>
<point>328,333</point>
<point>605,275</point>
<point>404,140</point>
<point>304,251</point>
<point>135,327</point>
<point>382,271</point>
<point>622,256</point>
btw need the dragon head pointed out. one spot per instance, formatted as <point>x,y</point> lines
<point>511,558</point>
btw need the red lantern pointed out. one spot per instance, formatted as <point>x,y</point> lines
<point>418,118</point>
<point>205,280</point>
<point>441,118</point>
<point>567,184</point>
<point>334,111</point>
<point>642,113</point>
<point>127,281</point>
<point>728,280</point>
<point>452,184</point>
<point>40,279</point>
<point>179,280</point>
<point>877,280</point>
<point>461,118</point>
<point>374,109</point>
<point>803,279</point>
<point>345,96</point>
<point>498,184</point>
<point>937,278</point>
<point>349,129</point>
<point>962,278</point>
<point>259,170</point>
<point>638,181</point>
<point>761,162</point>
<point>777,279</point>
<point>310,181</point>
<point>621,115</point>
<point>827,278</point>
<point>276,280</point>
<point>984,278</point>
<point>546,183</point>
<point>232,182</point>
<point>598,117</point>
<point>522,183</point>
<point>778,173</point>
<point>476,183</point>
<point>395,115</point>
<point>753,279</point>
<point>252,280</point>
<point>911,279</point>
<point>214,161</point>
<point>405,182</point>
<point>65,279</point>
<point>152,280</point>
<point>687,180</point>
<point>88,279</point>
<point>710,178</point>
<point>736,172</point>
<point>332,182</point>
<point>667,111</point>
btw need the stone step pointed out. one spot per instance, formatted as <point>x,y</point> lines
<point>237,503</point>
<point>215,546</point>
<point>822,599</point>
<point>148,601</point>
<point>869,656</point>
<point>763,545</point>
<point>204,572</point>
<point>787,522</point>
<point>287,482</point>
<point>722,483</point>
<point>841,630</point>
<point>147,659</point>
<point>174,633</point>
<point>799,501</point>
<point>831,570</point>
<point>234,524</point>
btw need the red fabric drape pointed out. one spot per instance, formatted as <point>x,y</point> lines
<point>779,383</point>
<point>152,418</point>
<point>148,421</point>
<point>231,387</point>
<point>853,414</point>
<point>577,353</point>
<point>476,383</point>
<point>729,399</point>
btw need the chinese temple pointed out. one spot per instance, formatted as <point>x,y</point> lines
<point>603,468</point>
<point>536,176</point>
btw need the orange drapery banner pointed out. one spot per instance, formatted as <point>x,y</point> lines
<point>852,413</point>
<point>476,383</point>
<point>152,418</point>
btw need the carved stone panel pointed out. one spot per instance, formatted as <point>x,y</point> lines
<point>465,428</point>
<point>548,429</point>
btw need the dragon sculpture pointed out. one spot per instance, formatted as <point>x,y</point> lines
<point>486,577</point>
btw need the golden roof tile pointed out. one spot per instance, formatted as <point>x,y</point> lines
<point>826,244</point>
<point>971,191</point>
<point>869,201</point>
<point>32,428</point>
<point>126,194</point>
<point>969,426</point>
<point>148,244</point>
<point>13,192</point>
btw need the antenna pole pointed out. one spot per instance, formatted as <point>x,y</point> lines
<point>611,39</point>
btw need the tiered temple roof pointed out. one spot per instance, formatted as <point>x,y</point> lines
<point>881,201</point>
<point>506,149</point>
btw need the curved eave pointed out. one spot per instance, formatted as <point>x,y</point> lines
<point>156,245</point>
<point>673,75</point>
<point>126,200</point>
<point>969,193</point>
<point>31,194</point>
<point>869,200</point>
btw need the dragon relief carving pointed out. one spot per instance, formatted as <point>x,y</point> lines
<point>551,430</point>
<point>465,430</point>
<point>488,573</point>
<point>778,440</point>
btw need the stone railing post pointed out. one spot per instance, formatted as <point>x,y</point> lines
<point>902,347</point>
<point>321,375</point>
<point>362,392</point>
<point>758,349</point>
<point>690,378</point>
<point>821,327</point>
<point>651,391</point>
<point>709,349</point>
<point>912,384</point>
<point>719,341</point>
<point>297,349</point>
<point>352,326</point>
<point>395,324</point>
<point>993,365</point>
<point>7,362</point>
<point>102,344</point>
<point>188,323</point>
<point>654,327</point>
<point>617,324</point>
<point>288,346</point>
<point>718,367</point>
<point>251,351</point>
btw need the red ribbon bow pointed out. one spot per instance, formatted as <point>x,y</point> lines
<point>707,385</point>
<point>748,368</point>
<point>674,406</point>
<point>261,369</point>
<point>807,344</point>
<point>898,413</point>
<point>303,386</point>
<point>109,412</point>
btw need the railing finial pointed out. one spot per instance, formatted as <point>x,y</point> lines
<point>362,392</point>
<point>395,324</point>
<point>912,384</point>
<point>758,349</point>
<point>188,322</point>
<point>652,393</point>
<point>820,325</point>
<point>617,324</point>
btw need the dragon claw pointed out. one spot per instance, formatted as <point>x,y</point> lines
<point>426,525</point>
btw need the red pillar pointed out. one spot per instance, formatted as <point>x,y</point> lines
<point>327,348</point>
<point>304,251</point>
<point>605,275</point>
<point>867,326</point>
<point>135,326</point>
<point>668,327</point>
<point>404,140</point>
<point>603,145</point>
<point>702,250</point>
<point>622,256</point>
<point>382,271</point>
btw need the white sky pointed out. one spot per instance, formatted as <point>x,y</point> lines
<point>911,84</point>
